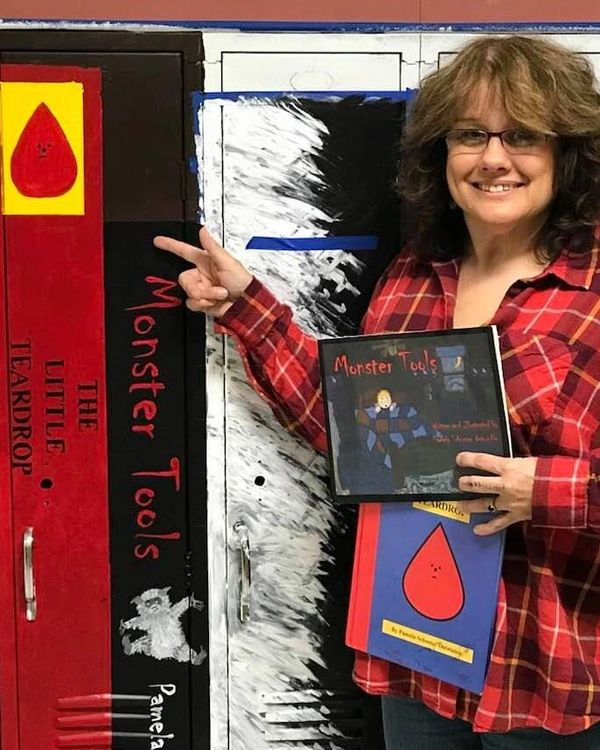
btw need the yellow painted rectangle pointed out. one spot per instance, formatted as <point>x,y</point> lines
<point>445,508</point>
<point>18,101</point>
<point>425,640</point>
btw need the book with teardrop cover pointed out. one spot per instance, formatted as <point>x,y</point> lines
<point>425,589</point>
<point>399,407</point>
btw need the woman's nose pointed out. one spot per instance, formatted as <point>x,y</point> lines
<point>494,155</point>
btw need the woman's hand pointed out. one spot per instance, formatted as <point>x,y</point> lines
<point>513,487</point>
<point>218,278</point>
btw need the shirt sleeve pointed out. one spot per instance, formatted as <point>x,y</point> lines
<point>566,492</point>
<point>282,362</point>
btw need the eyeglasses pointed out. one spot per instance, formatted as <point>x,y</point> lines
<point>514,140</point>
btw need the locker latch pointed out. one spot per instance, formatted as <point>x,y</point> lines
<point>28,577</point>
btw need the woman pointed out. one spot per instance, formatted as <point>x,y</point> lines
<point>502,171</point>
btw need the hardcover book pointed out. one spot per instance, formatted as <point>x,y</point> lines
<point>399,407</point>
<point>425,589</point>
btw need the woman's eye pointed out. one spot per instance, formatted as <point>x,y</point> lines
<point>471,136</point>
<point>521,137</point>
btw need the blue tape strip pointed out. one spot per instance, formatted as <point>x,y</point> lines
<point>197,100</point>
<point>404,95</point>
<point>295,244</point>
<point>365,26</point>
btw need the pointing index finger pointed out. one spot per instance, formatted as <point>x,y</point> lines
<point>182,249</point>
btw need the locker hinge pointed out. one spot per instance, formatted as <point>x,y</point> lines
<point>188,570</point>
<point>183,167</point>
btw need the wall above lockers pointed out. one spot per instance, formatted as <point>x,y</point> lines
<point>307,11</point>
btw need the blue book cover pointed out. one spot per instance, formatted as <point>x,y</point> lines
<point>425,590</point>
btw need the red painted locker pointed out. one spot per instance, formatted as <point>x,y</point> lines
<point>54,346</point>
<point>101,623</point>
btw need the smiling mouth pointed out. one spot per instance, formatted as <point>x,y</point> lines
<point>495,188</point>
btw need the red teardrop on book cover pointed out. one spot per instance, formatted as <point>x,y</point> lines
<point>432,583</point>
<point>43,164</point>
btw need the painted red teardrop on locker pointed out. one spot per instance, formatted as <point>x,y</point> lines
<point>43,164</point>
<point>432,582</point>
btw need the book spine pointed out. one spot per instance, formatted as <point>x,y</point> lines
<point>363,576</point>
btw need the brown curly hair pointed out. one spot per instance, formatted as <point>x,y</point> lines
<point>543,87</point>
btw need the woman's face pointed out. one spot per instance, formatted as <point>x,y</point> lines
<point>526,179</point>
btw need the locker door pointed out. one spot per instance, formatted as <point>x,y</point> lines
<point>137,689</point>
<point>297,136</point>
<point>52,203</point>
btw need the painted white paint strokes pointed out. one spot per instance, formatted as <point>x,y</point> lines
<point>216,543</point>
<point>210,168</point>
<point>271,186</point>
<point>289,520</point>
<point>265,175</point>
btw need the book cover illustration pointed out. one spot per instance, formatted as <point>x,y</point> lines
<point>425,589</point>
<point>401,406</point>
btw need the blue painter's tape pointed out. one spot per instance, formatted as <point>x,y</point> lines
<point>296,244</point>
<point>403,95</point>
<point>362,26</point>
<point>197,99</point>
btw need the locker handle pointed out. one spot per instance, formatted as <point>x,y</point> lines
<point>28,577</point>
<point>241,530</point>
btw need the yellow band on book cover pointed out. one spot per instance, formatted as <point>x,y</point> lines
<point>432,642</point>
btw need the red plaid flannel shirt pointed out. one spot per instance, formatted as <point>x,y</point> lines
<point>545,661</point>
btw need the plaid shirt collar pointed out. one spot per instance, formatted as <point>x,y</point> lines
<point>574,269</point>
